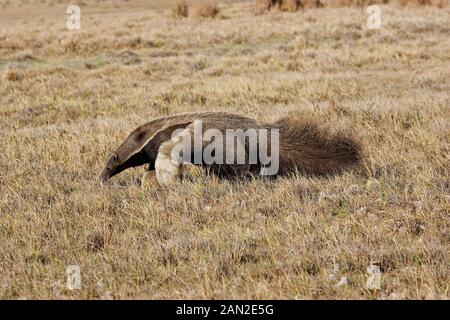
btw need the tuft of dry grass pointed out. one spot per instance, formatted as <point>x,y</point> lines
<point>311,4</point>
<point>290,238</point>
<point>289,5</point>
<point>12,75</point>
<point>180,9</point>
<point>264,5</point>
<point>283,5</point>
<point>206,9</point>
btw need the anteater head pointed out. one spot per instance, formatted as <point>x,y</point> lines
<point>141,146</point>
<point>130,153</point>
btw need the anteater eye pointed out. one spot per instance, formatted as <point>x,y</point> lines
<point>140,136</point>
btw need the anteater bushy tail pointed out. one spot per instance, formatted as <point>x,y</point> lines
<point>312,150</point>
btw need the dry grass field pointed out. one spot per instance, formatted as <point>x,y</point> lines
<point>69,98</point>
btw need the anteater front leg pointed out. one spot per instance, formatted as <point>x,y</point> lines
<point>169,161</point>
<point>167,169</point>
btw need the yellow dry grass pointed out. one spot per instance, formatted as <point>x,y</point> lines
<point>68,98</point>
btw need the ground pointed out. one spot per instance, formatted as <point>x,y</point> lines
<point>69,98</point>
